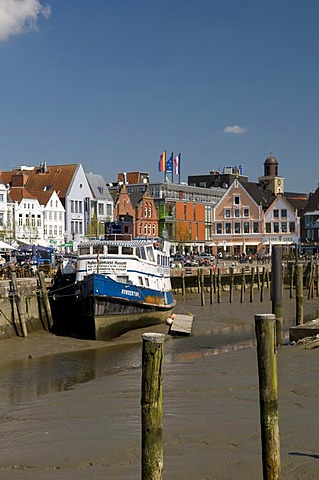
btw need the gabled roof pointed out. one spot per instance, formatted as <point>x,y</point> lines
<point>19,193</point>
<point>135,198</point>
<point>98,187</point>
<point>51,178</point>
<point>261,196</point>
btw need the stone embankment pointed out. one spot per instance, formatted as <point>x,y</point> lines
<point>22,306</point>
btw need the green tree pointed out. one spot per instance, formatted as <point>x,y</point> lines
<point>95,229</point>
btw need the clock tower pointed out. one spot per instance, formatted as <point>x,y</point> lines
<point>271,179</point>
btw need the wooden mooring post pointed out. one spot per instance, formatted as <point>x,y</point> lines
<point>265,328</point>
<point>276,273</point>
<point>17,300</point>
<point>299,294</point>
<point>262,286</point>
<point>243,285</point>
<point>151,406</point>
<point>183,283</point>
<point>252,282</point>
<point>211,285</point>
<point>219,286</point>
<point>202,288</point>
<point>231,284</point>
<point>45,299</point>
<point>292,278</point>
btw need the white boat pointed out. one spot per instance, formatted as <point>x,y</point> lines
<point>119,285</point>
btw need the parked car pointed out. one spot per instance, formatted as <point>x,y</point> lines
<point>205,256</point>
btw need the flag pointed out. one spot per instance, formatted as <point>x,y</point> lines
<point>177,164</point>
<point>169,164</point>
<point>162,162</point>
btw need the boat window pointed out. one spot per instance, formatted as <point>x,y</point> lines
<point>147,283</point>
<point>140,280</point>
<point>141,253</point>
<point>84,250</point>
<point>127,250</point>
<point>122,278</point>
<point>113,249</point>
<point>150,254</point>
<point>96,249</point>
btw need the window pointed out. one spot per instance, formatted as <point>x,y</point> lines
<point>255,227</point>
<point>246,227</point>
<point>20,220</point>
<point>227,213</point>
<point>227,228</point>
<point>108,210</point>
<point>39,221</point>
<point>268,227</point>
<point>236,213</point>
<point>1,197</point>
<point>101,209</point>
<point>45,230</point>
<point>284,213</point>
<point>276,227</point>
<point>276,213</point>
<point>246,212</point>
<point>236,199</point>
<point>292,227</point>
<point>219,228</point>
<point>284,227</point>
<point>237,227</point>
<point>72,206</point>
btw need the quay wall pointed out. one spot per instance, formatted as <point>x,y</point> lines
<point>23,305</point>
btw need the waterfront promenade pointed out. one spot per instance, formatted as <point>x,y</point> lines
<point>210,407</point>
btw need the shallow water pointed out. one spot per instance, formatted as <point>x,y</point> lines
<point>217,328</point>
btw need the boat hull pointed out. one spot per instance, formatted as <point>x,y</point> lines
<point>98,308</point>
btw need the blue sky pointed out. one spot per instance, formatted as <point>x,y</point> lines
<point>112,83</point>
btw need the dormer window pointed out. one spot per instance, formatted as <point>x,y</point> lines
<point>236,200</point>
<point>46,188</point>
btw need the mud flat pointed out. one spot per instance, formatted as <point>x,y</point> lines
<point>210,409</point>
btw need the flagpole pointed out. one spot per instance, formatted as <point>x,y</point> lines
<point>165,165</point>
<point>172,167</point>
<point>179,167</point>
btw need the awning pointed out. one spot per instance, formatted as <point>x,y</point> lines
<point>5,246</point>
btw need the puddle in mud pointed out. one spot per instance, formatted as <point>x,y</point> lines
<point>24,380</point>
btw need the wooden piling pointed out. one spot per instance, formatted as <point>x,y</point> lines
<point>258,278</point>
<point>231,284</point>
<point>202,288</point>
<point>151,406</point>
<point>252,282</point>
<point>211,285</point>
<point>292,277</point>
<point>311,280</point>
<point>265,327</point>
<point>262,285</point>
<point>276,272</point>
<point>299,293</point>
<point>45,299</point>
<point>219,286</point>
<point>243,284</point>
<point>183,283</point>
<point>17,300</point>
